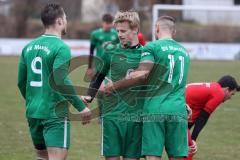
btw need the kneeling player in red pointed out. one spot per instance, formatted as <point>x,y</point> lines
<point>203,99</point>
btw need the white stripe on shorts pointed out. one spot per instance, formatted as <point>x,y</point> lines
<point>65,133</point>
<point>102,137</point>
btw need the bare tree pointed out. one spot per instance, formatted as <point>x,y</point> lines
<point>22,10</point>
<point>125,5</point>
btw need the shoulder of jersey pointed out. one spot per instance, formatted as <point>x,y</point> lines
<point>113,30</point>
<point>110,47</point>
<point>98,30</point>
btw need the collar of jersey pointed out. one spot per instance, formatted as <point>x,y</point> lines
<point>50,35</point>
<point>106,31</point>
<point>166,39</point>
<point>132,47</point>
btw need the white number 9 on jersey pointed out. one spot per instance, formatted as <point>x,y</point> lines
<point>36,71</point>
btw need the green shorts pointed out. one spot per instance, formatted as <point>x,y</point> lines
<point>168,131</point>
<point>49,132</point>
<point>121,138</point>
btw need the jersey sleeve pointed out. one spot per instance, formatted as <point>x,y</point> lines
<point>148,53</point>
<point>103,63</point>
<point>61,79</point>
<point>22,75</point>
<point>216,99</point>
<point>93,39</point>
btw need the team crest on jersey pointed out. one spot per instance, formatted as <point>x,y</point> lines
<point>108,46</point>
<point>113,38</point>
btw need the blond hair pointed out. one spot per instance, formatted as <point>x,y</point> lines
<point>129,16</point>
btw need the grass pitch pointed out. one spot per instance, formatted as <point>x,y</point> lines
<point>219,140</point>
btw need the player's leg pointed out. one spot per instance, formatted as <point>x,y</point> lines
<point>153,140</point>
<point>152,158</point>
<point>112,139</point>
<point>57,138</point>
<point>176,137</point>
<point>41,154</point>
<point>133,141</point>
<point>56,153</point>
<point>190,143</point>
<point>100,106</point>
<point>36,130</point>
<point>112,158</point>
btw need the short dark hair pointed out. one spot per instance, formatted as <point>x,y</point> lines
<point>228,81</point>
<point>166,17</point>
<point>108,18</point>
<point>167,23</point>
<point>50,13</point>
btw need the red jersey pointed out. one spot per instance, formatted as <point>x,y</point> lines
<point>206,96</point>
<point>141,39</point>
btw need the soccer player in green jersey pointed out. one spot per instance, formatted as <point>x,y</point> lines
<point>165,115</point>
<point>99,38</point>
<point>121,126</point>
<point>39,59</point>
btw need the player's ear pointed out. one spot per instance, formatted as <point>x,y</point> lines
<point>59,21</point>
<point>227,89</point>
<point>135,30</point>
<point>157,28</point>
<point>174,32</point>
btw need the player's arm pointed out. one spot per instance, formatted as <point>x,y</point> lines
<point>210,106</point>
<point>22,76</point>
<point>91,52</point>
<point>200,123</point>
<point>94,86</point>
<point>98,79</point>
<point>138,76</point>
<point>60,77</point>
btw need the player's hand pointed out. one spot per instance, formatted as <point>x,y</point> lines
<point>85,116</point>
<point>86,99</point>
<point>193,148</point>
<point>90,73</point>
<point>108,89</point>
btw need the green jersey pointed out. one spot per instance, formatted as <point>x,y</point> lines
<point>100,37</point>
<point>118,62</point>
<point>39,59</point>
<point>169,75</point>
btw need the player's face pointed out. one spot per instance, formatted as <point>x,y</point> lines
<point>229,93</point>
<point>106,26</point>
<point>125,33</point>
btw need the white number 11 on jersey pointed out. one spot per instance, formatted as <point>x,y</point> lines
<point>171,64</point>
